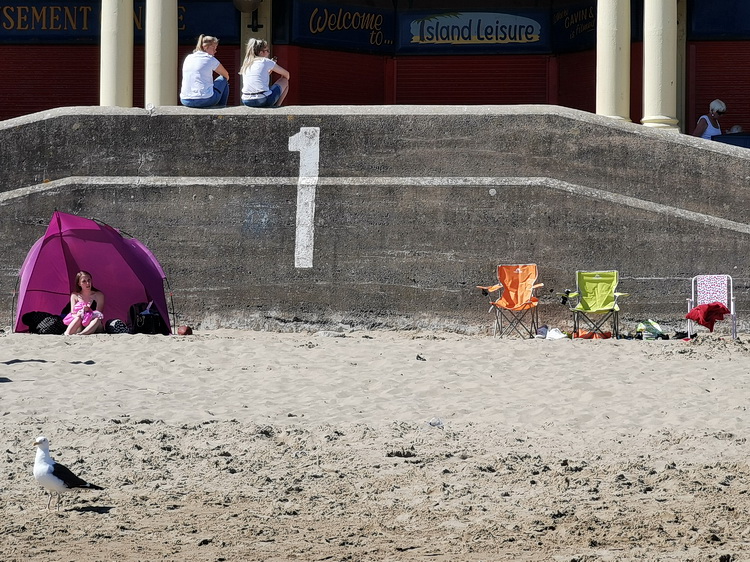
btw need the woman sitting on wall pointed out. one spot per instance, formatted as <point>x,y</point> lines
<point>199,89</point>
<point>256,74</point>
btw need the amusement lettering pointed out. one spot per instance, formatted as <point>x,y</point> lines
<point>65,18</point>
<point>45,18</point>
<point>138,18</point>
<point>322,21</point>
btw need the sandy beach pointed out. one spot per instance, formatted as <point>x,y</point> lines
<point>232,445</point>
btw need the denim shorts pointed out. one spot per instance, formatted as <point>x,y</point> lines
<point>265,101</point>
<point>218,99</point>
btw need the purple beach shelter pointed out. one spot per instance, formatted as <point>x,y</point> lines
<point>122,268</point>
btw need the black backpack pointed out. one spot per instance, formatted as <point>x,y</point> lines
<point>144,318</point>
<point>43,323</point>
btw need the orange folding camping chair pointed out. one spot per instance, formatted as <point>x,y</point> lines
<point>515,308</point>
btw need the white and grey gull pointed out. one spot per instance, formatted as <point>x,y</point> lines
<point>53,476</point>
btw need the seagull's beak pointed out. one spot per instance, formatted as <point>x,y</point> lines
<point>37,443</point>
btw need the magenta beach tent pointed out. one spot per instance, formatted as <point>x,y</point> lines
<point>121,267</point>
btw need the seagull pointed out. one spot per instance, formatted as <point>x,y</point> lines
<point>53,476</point>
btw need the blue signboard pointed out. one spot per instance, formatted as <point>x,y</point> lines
<point>574,27</point>
<point>351,27</point>
<point>63,22</point>
<point>719,19</point>
<point>474,32</point>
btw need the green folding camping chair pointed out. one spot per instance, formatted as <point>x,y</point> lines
<point>594,302</point>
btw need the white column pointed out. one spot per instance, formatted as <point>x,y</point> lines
<point>613,58</point>
<point>116,66</point>
<point>660,64</point>
<point>161,53</point>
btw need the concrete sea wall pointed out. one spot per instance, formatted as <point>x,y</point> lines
<point>382,216</point>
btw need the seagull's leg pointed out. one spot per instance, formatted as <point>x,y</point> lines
<point>58,501</point>
<point>49,501</point>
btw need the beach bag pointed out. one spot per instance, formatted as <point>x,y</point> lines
<point>144,318</point>
<point>43,323</point>
<point>116,326</point>
<point>649,330</point>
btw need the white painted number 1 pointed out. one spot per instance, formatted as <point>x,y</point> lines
<point>307,143</point>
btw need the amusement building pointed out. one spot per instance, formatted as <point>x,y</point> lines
<point>654,62</point>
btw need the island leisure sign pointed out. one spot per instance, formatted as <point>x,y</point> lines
<point>475,32</point>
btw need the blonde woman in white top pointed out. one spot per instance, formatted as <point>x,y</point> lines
<point>708,125</point>
<point>199,89</point>
<point>256,76</point>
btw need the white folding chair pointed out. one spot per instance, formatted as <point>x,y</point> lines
<point>707,289</point>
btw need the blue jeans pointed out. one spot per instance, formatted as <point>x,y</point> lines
<point>265,101</point>
<point>218,99</point>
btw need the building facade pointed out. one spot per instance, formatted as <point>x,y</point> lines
<point>395,52</point>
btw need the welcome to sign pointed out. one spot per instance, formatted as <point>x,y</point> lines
<point>356,28</point>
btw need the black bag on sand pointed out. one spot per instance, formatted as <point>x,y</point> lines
<point>116,326</point>
<point>43,323</point>
<point>144,318</point>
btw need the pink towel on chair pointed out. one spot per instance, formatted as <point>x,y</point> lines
<point>708,314</point>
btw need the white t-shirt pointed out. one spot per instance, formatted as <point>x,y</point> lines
<point>256,78</point>
<point>198,76</point>
<point>710,129</point>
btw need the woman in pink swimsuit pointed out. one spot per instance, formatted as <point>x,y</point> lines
<point>86,306</point>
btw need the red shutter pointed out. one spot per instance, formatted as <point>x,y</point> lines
<point>717,69</point>
<point>331,77</point>
<point>505,79</point>
<point>41,77</point>
<point>577,80</point>
<point>49,76</point>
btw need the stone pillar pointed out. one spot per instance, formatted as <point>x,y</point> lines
<point>613,59</point>
<point>660,64</point>
<point>116,66</point>
<point>162,66</point>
